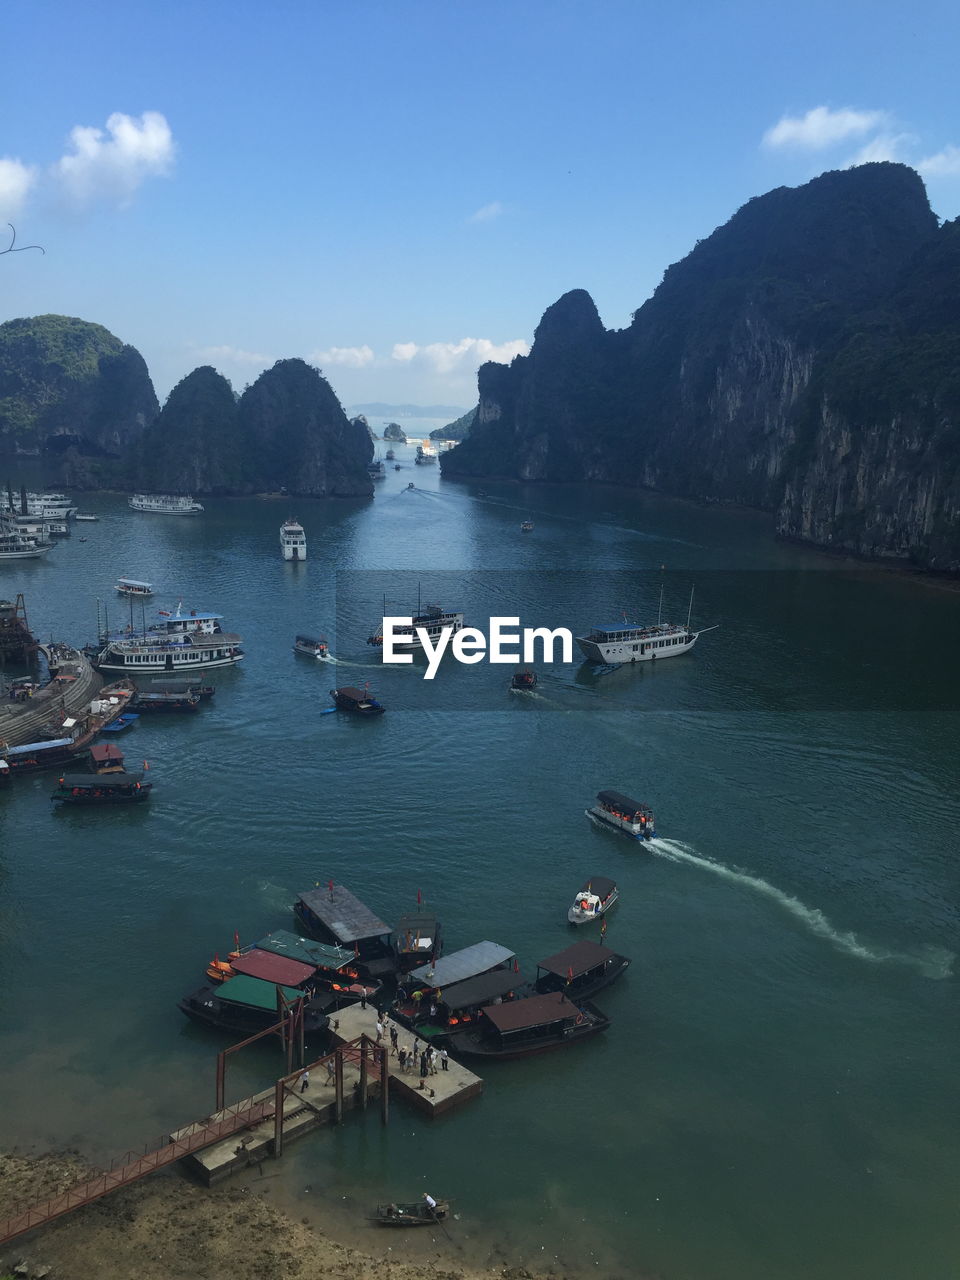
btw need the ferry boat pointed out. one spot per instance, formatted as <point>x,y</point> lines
<point>356,701</point>
<point>312,646</point>
<point>114,788</point>
<point>580,971</point>
<point>431,619</point>
<point>178,642</point>
<point>595,897</point>
<point>425,453</point>
<point>532,1024</point>
<point>524,681</point>
<point>16,546</point>
<point>132,587</point>
<point>81,515</point>
<point>623,642</point>
<point>44,506</point>
<point>165,504</point>
<point>293,540</point>
<point>630,816</point>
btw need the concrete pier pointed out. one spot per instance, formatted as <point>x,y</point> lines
<point>23,722</point>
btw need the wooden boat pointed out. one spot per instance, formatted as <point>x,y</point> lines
<point>626,815</point>
<point>417,940</point>
<point>246,1004</point>
<point>166,700</point>
<point>534,1024</point>
<point>356,701</point>
<point>593,899</point>
<point>417,1214</point>
<point>579,971</point>
<point>106,758</point>
<point>114,788</point>
<point>333,915</point>
<point>122,722</point>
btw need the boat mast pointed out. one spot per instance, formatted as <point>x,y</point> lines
<point>690,608</point>
<point>660,609</point>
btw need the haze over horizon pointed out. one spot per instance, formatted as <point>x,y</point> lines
<point>397,195</point>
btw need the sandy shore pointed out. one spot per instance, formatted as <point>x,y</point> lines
<point>168,1228</point>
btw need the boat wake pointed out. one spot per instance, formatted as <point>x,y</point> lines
<point>932,962</point>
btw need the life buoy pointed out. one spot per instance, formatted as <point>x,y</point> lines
<point>579,1019</point>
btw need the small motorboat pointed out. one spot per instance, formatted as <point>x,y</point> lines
<point>396,466</point>
<point>597,896</point>
<point>122,722</point>
<point>524,680</point>
<point>357,701</point>
<point>410,486</point>
<point>418,1214</point>
<point>526,526</point>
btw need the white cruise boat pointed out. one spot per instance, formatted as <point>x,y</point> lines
<point>636,642</point>
<point>50,506</point>
<point>293,541</point>
<point>16,546</point>
<point>165,504</point>
<point>432,619</point>
<point>597,896</point>
<point>629,816</point>
<point>179,642</point>
<point>132,587</point>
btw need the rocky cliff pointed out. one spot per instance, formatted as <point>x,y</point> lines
<point>802,359</point>
<point>67,385</point>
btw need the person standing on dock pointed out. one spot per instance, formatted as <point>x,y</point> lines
<point>379,1029</point>
<point>443,1059</point>
<point>423,1069</point>
<point>394,1037</point>
<point>304,1081</point>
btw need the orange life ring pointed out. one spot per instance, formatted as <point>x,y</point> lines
<point>579,1019</point>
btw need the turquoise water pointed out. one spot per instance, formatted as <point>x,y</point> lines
<point>776,1095</point>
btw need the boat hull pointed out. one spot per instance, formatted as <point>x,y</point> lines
<point>622,652</point>
<point>469,1044</point>
<point>576,916</point>
<point>165,664</point>
<point>120,797</point>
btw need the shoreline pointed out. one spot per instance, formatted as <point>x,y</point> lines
<point>169,1227</point>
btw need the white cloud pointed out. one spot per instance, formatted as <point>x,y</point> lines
<point>16,179</point>
<point>821,127</point>
<point>352,357</point>
<point>486,212</point>
<point>445,357</point>
<point>886,146</point>
<point>234,355</point>
<point>945,164</point>
<point>112,166</point>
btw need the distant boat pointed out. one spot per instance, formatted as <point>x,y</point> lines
<point>622,642</point>
<point>629,816</point>
<point>131,587</point>
<point>526,526</point>
<point>293,540</point>
<point>165,504</point>
<point>84,516</point>
<point>524,681</point>
<point>595,898</point>
<point>113,788</point>
<point>312,646</point>
<point>390,455</point>
<point>418,1214</point>
<point>356,701</point>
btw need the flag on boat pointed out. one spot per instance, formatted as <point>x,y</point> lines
<point>419,898</point>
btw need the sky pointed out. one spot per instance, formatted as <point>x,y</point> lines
<point>395,191</point>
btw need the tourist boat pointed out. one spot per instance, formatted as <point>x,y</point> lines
<point>630,816</point>
<point>358,702</point>
<point>202,691</point>
<point>174,699</point>
<point>177,643</point>
<point>56,528</point>
<point>17,546</point>
<point>524,680</point>
<point>245,1004</point>
<point>580,971</point>
<point>526,526</point>
<point>622,642</point>
<point>122,722</point>
<point>425,453</point>
<point>45,506</point>
<point>165,504</point>
<point>417,940</point>
<point>447,993</point>
<point>376,469</point>
<point>334,916</point>
<point>532,1024</point>
<point>390,455</point>
<point>432,619</point>
<point>293,540</point>
<point>76,733</point>
<point>132,587</point>
<point>114,788</point>
<point>418,1214</point>
<point>312,646</point>
<point>82,515</point>
<point>596,897</point>
<point>285,958</point>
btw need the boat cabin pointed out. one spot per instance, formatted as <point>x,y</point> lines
<point>417,939</point>
<point>133,587</point>
<point>356,701</point>
<point>184,699</point>
<point>270,967</point>
<point>106,758</point>
<point>580,970</point>
<point>532,1024</point>
<point>458,966</point>
<point>524,679</point>
<point>459,1006</point>
<point>334,915</point>
<point>335,969</point>
<point>593,899</point>
<point>313,646</point>
<point>629,815</point>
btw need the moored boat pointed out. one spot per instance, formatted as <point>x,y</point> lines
<point>122,722</point>
<point>87,516</point>
<point>106,758</point>
<point>245,1004</point>
<point>293,540</point>
<point>629,816</point>
<point>333,915</point>
<point>114,788</point>
<point>580,970</point>
<point>184,699</point>
<point>417,940</point>
<point>177,642</point>
<point>417,1214</point>
<point>533,1024</point>
<point>133,587</point>
<point>595,898</point>
<point>425,453</point>
<point>164,504</point>
<point>358,702</point>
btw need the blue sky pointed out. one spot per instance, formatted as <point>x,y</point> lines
<point>396,191</point>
